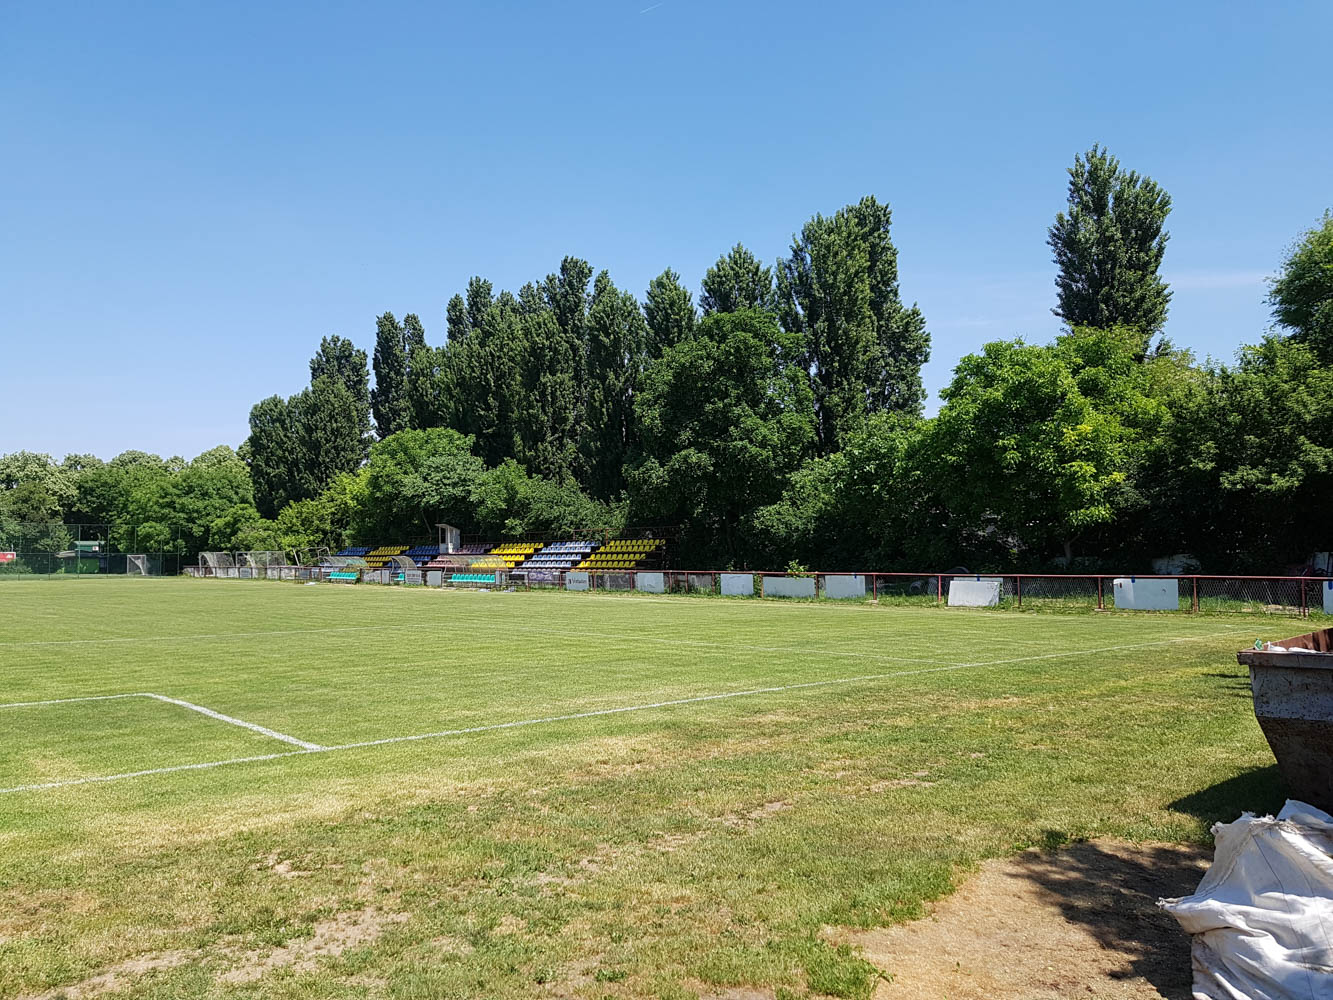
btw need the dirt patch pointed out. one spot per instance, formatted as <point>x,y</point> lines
<point>1081,921</point>
<point>116,977</point>
<point>330,938</point>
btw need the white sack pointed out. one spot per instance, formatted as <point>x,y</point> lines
<point>1262,918</point>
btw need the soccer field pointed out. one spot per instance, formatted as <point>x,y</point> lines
<point>211,788</point>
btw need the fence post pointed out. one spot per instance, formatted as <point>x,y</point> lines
<point>1100,605</point>
<point>939,589</point>
<point>1018,588</point>
<point>874,587</point>
<point>1195,602</point>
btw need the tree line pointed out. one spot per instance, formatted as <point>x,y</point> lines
<point>779,417</point>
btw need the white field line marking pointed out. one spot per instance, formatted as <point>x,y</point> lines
<point>230,720</point>
<point>253,726</point>
<point>594,713</point>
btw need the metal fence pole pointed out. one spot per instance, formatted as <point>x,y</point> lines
<point>1194,604</point>
<point>1018,589</point>
<point>1101,606</point>
<point>939,589</point>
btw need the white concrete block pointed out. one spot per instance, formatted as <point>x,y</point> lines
<point>576,580</point>
<point>845,587</point>
<point>789,586</point>
<point>650,583</point>
<point>1328,597</point>
<point>974,592</point>
<point>738,584</point>
<point>1136,594</point>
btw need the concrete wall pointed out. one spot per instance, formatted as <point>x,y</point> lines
<point>970,592</point>
<point>575,580</point>
<point>845,587</point>
<point>738,584</point>
<point>650,583</point>
<point>1146,595</point>
<point>433,578</point>
<point>789,586</point>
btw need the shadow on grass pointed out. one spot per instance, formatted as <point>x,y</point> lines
<point>1111,891</point>
<point>1260,790</point>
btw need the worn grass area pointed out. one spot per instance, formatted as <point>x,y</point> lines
<point>695,849</point>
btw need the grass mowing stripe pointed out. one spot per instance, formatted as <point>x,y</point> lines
<point>310,748</point>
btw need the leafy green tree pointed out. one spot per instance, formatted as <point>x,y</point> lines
<point>1108,247</point>
<point>617,336</point>
<point>242,529</point>
<point>304,527</point>
<point>103,492</point>
<point>669,313</point>
<point>397,504</point>
<point>1269,442</point>
<point>59,482</point>
<point>175,513</point>
<point>389,399</point>
<point>1302,295</point>
<point>723,419</point>
<point>859,507</point>
<point>1024,457</point>
<point>737,281</point>
<point>511,503</point>
<point>863,348</point>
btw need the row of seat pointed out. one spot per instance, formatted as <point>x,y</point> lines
<point>378,557</point>
<point>616,554</point>
<point>472,578</point>
<point>622,554</point>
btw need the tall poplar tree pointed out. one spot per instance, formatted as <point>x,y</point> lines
<point>669,312</point>
<point>389,399</point>
<point>862,347</point>
<point>1108,247</point>
<point>737,281</point>
<point>617,337</point>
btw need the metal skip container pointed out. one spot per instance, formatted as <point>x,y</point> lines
<point>1292,684</point>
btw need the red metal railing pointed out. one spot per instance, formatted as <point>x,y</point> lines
<point>1209,593</point>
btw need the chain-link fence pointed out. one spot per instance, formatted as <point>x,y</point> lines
<point>51,549</point>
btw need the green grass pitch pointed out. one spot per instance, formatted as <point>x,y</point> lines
<point>619,796</point>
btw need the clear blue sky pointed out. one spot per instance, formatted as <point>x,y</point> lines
<point>194,194</point>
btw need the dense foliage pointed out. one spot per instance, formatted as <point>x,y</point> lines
<point>777,420</point>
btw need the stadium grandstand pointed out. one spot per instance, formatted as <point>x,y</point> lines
<point>530,563</point>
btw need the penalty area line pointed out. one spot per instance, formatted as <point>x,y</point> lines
<point>311,748</point>
<point>230,720</point>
